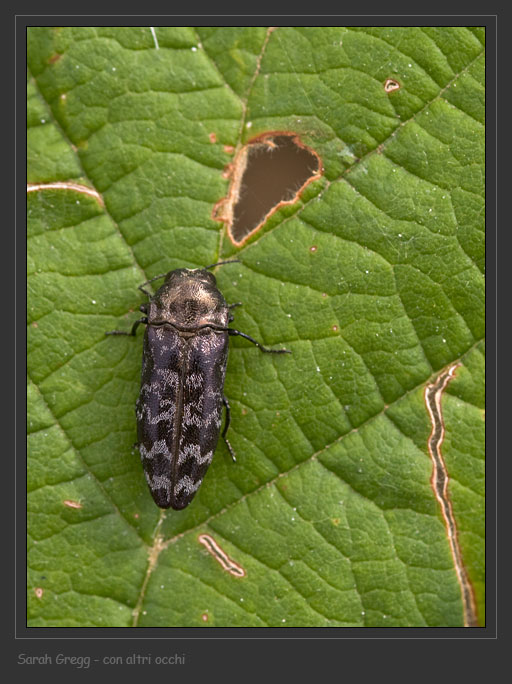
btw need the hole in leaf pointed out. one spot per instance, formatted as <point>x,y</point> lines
<point>390,85</point>
<point>270,171</point>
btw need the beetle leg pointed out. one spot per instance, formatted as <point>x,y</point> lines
<point>228,420</point>
<point>132,331</point>
<point>232,306</point>
<point>231,331</point>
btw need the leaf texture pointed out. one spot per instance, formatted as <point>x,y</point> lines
<point>374,279</point>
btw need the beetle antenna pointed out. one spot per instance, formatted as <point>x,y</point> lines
<point>221,263</point>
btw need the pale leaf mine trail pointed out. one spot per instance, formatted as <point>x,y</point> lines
<point>61,185</point>
<point>439,481</point>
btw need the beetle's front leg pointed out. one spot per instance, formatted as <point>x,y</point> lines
<point>231,331</point>
<point>141,287</point>
<point>232,306</point>
<point>132,331</point>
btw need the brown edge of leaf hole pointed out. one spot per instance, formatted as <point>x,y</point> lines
<point>223,210</point>
<point>391,85</point>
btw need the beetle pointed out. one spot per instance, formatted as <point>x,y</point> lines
<point>184,362</point>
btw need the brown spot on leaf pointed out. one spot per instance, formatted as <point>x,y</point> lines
<point>227,173</point>
<point>390,85</point>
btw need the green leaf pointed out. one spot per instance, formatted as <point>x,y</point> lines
<point>374,280</point>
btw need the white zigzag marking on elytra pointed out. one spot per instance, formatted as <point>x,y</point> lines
<point>188,484</point>
<point>158,447</point>
<point>194,451</point>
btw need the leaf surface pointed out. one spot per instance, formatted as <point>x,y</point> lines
<point>374,279</point>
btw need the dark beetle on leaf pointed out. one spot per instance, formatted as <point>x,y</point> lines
<point>183,370</point>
